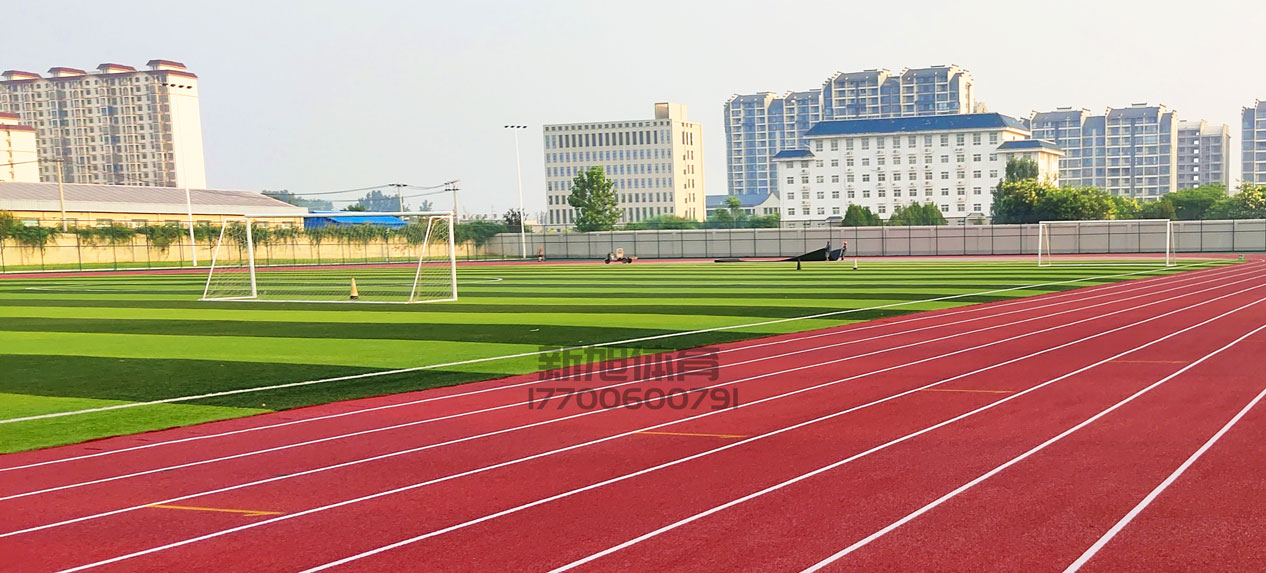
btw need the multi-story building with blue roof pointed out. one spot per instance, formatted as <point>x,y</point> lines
<point>1253,148</point>
<point>758,126</point>
<point>951,161</point>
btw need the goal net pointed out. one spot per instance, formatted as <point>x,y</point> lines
<point>1113,242</point>
<point>396,257</point>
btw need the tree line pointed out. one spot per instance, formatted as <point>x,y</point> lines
<point>1021,198</point>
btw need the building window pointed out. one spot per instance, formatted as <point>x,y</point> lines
<point>944,208</point>
<point>791,195</point>
<point>835,179</point>
<point>975,139</point>
<point>944,159</point>
<point>945,175</point>
<point>835,210</point>
<point>993,138</point>
<point>835,145</point>
<point>821,194</point>
<point>791,211</point>
<point>848,162</point>
<point>818,163</point>
<point>975,156</point>
<point>835,162</point>
<point>960,139</point>
<point>817,146</point>
<point>865,162</point>
<point>944,140</point>
<point>883,209</point>
<point>850,194</point>
<point>835,194</point>
<point>865,143</point>
<point>993,173</point>
<point>791,180</point>
<point>961,158</point>
<point>820,179</point>
<point>976,207</point>
<point>975,191</point>
<point>865,177</point>
<point>821,210</point>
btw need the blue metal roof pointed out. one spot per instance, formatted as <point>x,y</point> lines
<point>909,124</point>
<point>338,219</point>
<point>747,200</point>
<point>795,153</point>
<point>1029,144</point>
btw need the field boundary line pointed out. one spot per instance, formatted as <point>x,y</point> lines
<point>735,444</point>
<point>1013,461</point>
<point>1095,292</point>
<point>569,348</point>
<point>634,432</point>
<point>1168,481</point>
<point>412,423</point>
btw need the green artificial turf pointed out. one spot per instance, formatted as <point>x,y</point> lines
<point>96,340</point>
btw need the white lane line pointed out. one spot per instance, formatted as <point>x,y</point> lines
<point>1111,288</point>
<point>1221,280</point>
<point>960,489</point>
<point>567,349</point>
<point>744,498</point>
<point>1098,545</point>
<point>657,426</point>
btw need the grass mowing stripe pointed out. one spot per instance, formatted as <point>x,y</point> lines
<point>691,305</point>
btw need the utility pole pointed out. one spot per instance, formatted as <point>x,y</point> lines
<point>400,194</point>
<point>518,166</point>
<point>452,186</point>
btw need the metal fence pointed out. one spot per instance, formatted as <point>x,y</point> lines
<point>1121,237</point>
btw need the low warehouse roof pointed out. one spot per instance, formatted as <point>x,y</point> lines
<point>149,200</point>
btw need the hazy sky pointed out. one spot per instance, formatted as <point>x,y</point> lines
<point>321,95</point>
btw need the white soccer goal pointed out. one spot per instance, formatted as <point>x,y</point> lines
<point>1126,242</point>
<point>371,257</point>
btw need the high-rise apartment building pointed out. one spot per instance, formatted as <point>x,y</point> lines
<point>1203,154</point>
<point>1130,151</point>
<point>953,162</point>
<point>1253,148</point>
<point>114,125</point>
<point>758,126</point>
<point>18,155</point>
<point>657,164</point>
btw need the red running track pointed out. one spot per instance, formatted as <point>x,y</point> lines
<point>842,436</point>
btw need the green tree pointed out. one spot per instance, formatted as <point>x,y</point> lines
<point>593,198</point>
<point>1162,208</point>
<point>1192,204</point>
<point>1021,168</point>
<point>859,216</point>
<point>1071,204</point>
<point>770,221</point>
<point>376,200</point>
<point>288,197</point>
<point>735,207</point>
<point>1124,207</point>
<point>513,220</point>
<point>356,207</point>
<point>917,214</point>
<point>1249,203</point>
<point>1014,202</point>
<point>663,222</point>
<point>8,225</point>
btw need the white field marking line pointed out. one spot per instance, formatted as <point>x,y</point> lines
<point>733,502</point>
<point>886,445</point>
<point>1129,517</point>
<point>629,433</point>
<point>960,489</point>
<point>98,287</point>
<point>818,349</point>
<point>1146,283</point>
<point>569,348</point>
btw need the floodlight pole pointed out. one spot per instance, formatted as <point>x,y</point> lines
<point>61,190</point>
<point>518,166</point>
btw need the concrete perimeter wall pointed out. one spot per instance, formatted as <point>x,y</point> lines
<point>1065,238</point>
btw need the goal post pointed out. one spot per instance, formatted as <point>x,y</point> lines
<point>355,256</point>
<point>1123,242</point>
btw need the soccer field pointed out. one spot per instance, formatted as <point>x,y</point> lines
<point>95,341</point>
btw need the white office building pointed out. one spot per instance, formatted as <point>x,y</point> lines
<point>657,164</point>
<point>18,154</point>
<point>114,125</point>
<point>952,161</point>
<point>1203,153</point>
<point>758,126</point>
<point>1253,148</point>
